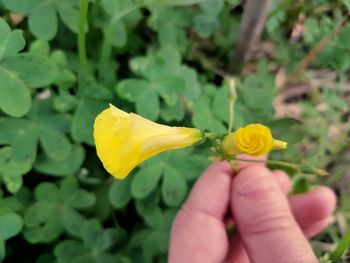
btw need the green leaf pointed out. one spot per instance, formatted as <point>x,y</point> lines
<point>155,219</point>
<point>91,232</point>
<point>65,102</point>
<point>300,184</point>
<point>155,243</point>
<point>20,6</point>
<point>15,98</point>
<point>203,117</point>
<point>68,187</point>
<point>149,204</point>
<point>147,104</point>
<point>12,175</point>
<point>72,221</point>
<point>59,122</point>
<point>107,238</point>
<point>221,104</point>
<point>81,199</point>
<point>146,180</point>
<point>67,250</point>
<point>35,70</point>
<point>344,39</point>
<point>43,21</point>
<point>47,192</point>
<point>190,166</point>
<point>205,25</point>
<point>10,42</point>
<point>341,248</point>
<point>172,113</point>
<point>55,144</point>
<point>346,3</point>
<point>69,14</point>
<point>11,128</point>
<point>38,213</point>
<point>43,222</point>
<point>170,88</point>
<point>10,225</point>
<point>40,47</point>
<point>130,89</point>
<point>65,167</point>
<point>25,144</point>
<point>174,187</point>
<point>2,250</point>
<point>84,116</point>
<point>118,33</point>
<point>119,193</point>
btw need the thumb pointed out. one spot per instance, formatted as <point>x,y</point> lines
<point>264,220</point>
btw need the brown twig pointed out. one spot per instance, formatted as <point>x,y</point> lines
<point>254,16</point>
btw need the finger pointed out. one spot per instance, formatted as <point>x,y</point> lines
<point>198,227</point>
<point>313,206</point>
<point>264,220</point>
<point>281,176</point>
<point>283,180</point>
<point>250,160</point>
<point>317,227</point>
<point>237,252</point>
<point>211,191</point>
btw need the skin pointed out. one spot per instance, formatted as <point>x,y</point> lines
<point>271,226</point>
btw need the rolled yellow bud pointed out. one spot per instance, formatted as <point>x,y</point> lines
<point>253,139</point>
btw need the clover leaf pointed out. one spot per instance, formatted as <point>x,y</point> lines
<point>43,20</point>
<point>11,223</point>
<point>171,169</point>
<point>41,127</point>
<point>157,93</point>
<point>55,211</point>
<point>93,238</point>
<point>18,72</point>
<point>93,98</point>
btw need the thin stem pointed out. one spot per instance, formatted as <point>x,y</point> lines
<point>273,162</point>
<point>233,96</point>
<point>94,12</point>
<point>84,5</point>
<point>297,167</point>
<point>106,51</point>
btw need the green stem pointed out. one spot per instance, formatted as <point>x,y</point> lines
<point>106,51</point>
<point>94,12</point>
<point>233,96</point>
<point>297,167</point>
<point>84,5</point>
<point>273,162</point>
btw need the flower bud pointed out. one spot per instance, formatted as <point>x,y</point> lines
<point>253,139</point>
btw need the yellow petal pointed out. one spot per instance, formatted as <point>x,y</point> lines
<point>125,140</point>
<point>279,145</point>
<point>253,139</point>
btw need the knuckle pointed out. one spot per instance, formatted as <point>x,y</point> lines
<point>270,223</point>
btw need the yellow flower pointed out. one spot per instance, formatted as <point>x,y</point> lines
<point>124,140</point>
<point>253,139</point>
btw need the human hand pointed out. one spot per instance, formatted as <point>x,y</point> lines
<point>272,227</point>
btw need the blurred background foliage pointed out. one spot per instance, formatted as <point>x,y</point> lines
<point>169,61</point>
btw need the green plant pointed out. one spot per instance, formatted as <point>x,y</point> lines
<point>61,64</point>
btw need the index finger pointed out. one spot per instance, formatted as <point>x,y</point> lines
<point>199,223</point>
